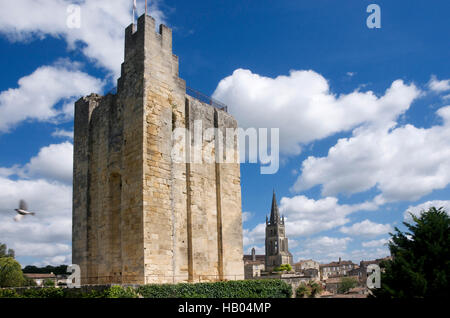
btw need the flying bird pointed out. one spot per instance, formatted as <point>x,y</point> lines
<point>22,211</point>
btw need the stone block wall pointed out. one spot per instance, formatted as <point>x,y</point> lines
<point>139,216</point>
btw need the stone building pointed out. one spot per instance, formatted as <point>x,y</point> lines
<point>254,265</point>
<point>302,265</point>
<point>40,279</point>
<point>139,216</point>
<point>277,250</point>
<point>337,269</point>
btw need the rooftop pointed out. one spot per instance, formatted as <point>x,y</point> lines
<point>337,264</point>
<point>40,276</point>
<point>304,261</point>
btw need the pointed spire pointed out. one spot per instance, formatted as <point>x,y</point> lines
<point>274,214</point>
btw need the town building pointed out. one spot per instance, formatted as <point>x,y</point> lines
<point>254,265</point>
<point>302,265</point>
<point>336,269</point>
<point>40,279</point>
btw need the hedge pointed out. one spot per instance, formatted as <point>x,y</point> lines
<point>112,292</point>
<point>232,289</point>
<point>8,293</point>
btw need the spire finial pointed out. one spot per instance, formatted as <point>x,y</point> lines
<point>274,214</point>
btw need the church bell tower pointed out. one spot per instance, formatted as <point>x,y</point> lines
<point>277,252</point>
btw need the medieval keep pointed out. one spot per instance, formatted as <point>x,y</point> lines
<point>277,252</point>
<point>138,216</point>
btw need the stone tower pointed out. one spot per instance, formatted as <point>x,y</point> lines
<point>138,215</point>
<point>277,251</point>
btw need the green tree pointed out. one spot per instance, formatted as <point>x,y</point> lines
<point>316,288</point>
<point>311,290</point>
<point>49,283</point>
<point>346,284</point>
<point>58,270</point>
<point>420,265</point>
<point>5,252</point>
<point>283,268</point>
<point>303,291</point>
<point>29,282</point>
<point>10,273</point>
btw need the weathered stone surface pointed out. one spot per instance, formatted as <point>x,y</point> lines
<point>138,216</point>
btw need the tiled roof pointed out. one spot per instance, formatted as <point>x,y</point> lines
<point>337,264</point>
<point>40,276</point>
<point>334,280</point>
<point>376,261</point>
<point>304,261</point>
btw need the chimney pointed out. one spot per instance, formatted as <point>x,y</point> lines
<point>253,255</point>
<point>340,260</point>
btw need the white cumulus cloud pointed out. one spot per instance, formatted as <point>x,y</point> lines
<point>61,133</point>
<point>375,243</point>
<point>303,106</point>
<point>255,236</point>
<point>403,163</point>
<point>439,86</point>
<point>366,228</point>
<point>100,36</point>
<point>416,210</point>
<point>44,183</point>
<point>54,162</point>
<point>305,216</point>
<point>324,248</point>
<point>38,94</point>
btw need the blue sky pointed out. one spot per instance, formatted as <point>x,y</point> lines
<point>362,112</point>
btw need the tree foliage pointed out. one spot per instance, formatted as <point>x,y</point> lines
<point>303,291</point>
<point>346,284</point>
<point>10,273</point>
<point>266,288</point>
<point>49,283</point>
<point>311,290</point>
<point>29,282</point>
<point>421,259</point>
<point>57,270</point>
<point>283,268</point>
<point>316,288</point>
<point>5,252</point>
